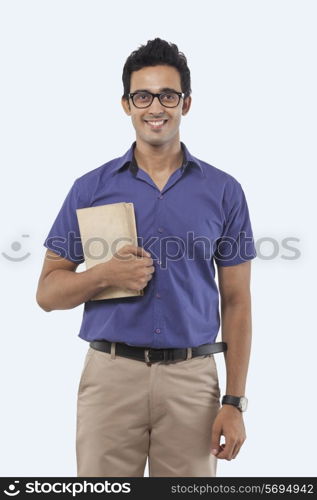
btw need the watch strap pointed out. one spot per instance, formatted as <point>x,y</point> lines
<point>231,400</point>
<point>240,402</point>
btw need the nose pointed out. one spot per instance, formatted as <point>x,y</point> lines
<point>156,105</point>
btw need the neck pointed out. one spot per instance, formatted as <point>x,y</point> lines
<point>160,159</point>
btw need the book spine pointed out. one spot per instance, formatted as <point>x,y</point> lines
<point>131,223</point>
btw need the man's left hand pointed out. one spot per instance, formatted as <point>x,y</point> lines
<point>229,423</point>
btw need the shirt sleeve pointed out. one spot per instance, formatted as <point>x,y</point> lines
<point>236,244</point>
<point>64,237</point>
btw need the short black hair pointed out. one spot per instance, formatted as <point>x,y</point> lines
<point>156,52</point>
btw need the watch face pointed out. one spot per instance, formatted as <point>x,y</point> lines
<point>243,403</point>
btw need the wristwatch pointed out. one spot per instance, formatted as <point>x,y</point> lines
<point>241,402</point>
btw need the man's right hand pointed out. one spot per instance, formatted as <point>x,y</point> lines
<point>130,267</point>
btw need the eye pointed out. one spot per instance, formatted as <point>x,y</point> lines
<point>142,96</point>
<point>169,97</point>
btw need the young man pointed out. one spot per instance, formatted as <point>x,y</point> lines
<point>149,387</point>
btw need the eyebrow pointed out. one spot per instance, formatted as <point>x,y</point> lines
<point>163,89</point>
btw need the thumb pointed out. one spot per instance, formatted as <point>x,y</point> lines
<point>140,252</point>
<point>215,439</point>
<point>128,250</point>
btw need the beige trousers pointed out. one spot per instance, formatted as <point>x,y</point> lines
<point>129,410</point>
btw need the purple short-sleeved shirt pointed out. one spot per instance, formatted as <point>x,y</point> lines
<point>199,218</point>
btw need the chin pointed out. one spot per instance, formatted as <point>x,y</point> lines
<point>153,141</point>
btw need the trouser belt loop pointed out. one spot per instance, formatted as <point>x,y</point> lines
<point>113,350</point>
<point>189,353</point>
<point>146,355</point>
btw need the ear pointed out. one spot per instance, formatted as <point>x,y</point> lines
<point>186,105</point>
<point>126,105</point>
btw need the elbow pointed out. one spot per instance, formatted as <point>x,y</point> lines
<point>41,302</point>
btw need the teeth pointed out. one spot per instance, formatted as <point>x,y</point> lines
<point>157,124</point>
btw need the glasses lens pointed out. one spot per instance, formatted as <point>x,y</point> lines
<point>142,99</point>
<point>169,99</point>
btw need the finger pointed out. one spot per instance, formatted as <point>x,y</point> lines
<point>125,252</point>
<point>215,440</point>
<point>141,252</point>
<point>220,448</point>
<point>135,250</point>
<point>149,262</point>
<point>147,275</point>
<point>236,450</point>
<point>126,248</point>
<point>226,453</point>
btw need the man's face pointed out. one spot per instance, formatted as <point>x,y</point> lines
<point>155,79</point>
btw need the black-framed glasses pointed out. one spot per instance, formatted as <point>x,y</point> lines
<point>145,99</point>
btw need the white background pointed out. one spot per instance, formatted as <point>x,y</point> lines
<point>253,115</point>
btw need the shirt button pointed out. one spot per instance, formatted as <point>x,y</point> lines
<point>157,330</point>
<point>160,230</point>
<point>158,295</point>
<point>159,262</point>
<point>160,197</point>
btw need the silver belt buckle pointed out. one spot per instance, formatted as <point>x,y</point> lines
<point>146,355</point>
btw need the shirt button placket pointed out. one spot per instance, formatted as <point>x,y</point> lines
<point>157,305</point>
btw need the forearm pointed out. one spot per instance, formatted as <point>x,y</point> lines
<point>63,289</point>
<point>237,333</point>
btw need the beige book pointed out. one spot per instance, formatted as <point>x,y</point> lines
<point>103,231</point>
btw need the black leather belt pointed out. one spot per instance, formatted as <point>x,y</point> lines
<point>151,355</point>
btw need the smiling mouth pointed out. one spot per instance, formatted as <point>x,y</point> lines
<point>156,124</point>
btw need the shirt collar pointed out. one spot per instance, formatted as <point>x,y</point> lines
<point>128,159</point>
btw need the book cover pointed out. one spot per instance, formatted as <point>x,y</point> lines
<point>104,230</point>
